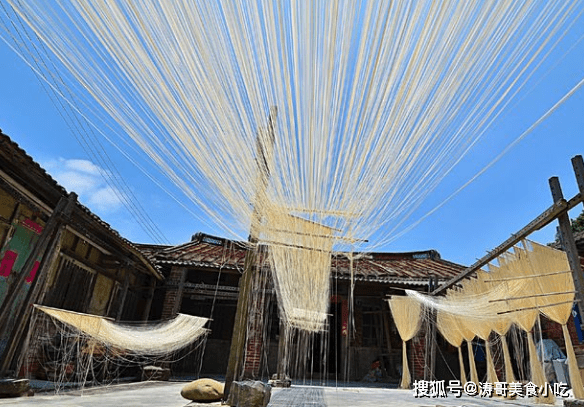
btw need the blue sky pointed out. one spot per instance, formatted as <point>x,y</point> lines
<point>504,199</point>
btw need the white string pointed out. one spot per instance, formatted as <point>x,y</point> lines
<point>376,103</point>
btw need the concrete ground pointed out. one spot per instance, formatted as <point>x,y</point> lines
<point>167,394</point>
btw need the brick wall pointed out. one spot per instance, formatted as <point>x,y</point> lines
<point>174,291</point>
<point>417,354</point>
<point>253,353</point>
<point>255,331</point>
<point>553,330</point>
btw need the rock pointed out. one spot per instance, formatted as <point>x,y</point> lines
<point>155,373</point>
<point>13,387</point>
<point>277,382</point>
<point>249,394</point>
<point>203,390</point>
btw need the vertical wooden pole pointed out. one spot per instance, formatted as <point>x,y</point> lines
<point>430,338</point>
<point>239,329</point>
<point>578,165</point>
<point>124,295</point>
<point>16,285</point>
<point>569,245</point>
<point>346,351</point>
<point>149,298</point>
<point>179,291</point>
<point>16,343</point>
<point>237,348</point>
<point>46,246</point>
<point>385,316</point>
<point>13,218</point>
<point>380,338</point>
<point>282,353</point>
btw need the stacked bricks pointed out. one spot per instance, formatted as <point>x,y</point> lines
<point>554,331</point>
<point>255,331</point>
<point>417,354</point>
<point>253,353</point>
<point>173,295</point>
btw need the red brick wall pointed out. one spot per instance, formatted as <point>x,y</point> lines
<point>553,330</point>
<point>173,295</point>
<point>255,339</point>
<point>417,354</point>
<point>253,355</point>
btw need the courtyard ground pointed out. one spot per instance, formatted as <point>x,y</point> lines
<point>167,394</point>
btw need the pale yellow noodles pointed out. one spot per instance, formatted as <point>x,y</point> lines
<point>529,280</point>
<point>376,102</point>
<point>156,339</point>
<point>407,314</point>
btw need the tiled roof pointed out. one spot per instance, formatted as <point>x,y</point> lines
<point>203,251</point>
<point>28,172</point>
<point>410,266</point>
<point>206,251</point>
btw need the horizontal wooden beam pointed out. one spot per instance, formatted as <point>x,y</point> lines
<point>75,222</point>
<point>93,268</point>
<point>547,217</point>
<point>5,222</point>
<point>89,240</point>
<point>25,193</point>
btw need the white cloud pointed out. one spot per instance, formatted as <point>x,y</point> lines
<point>105,199</point>
<point>85,179</point>
<point>76,181</point>
<point>83,166</point>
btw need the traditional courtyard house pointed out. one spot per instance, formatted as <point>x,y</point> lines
<point>56,252</point>
<point>202,278</point>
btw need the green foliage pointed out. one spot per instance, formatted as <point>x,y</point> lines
<point>578,223</point>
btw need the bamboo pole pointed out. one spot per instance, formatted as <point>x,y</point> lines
<point>537,307</point>
<point>533,296</point>
<point>498,280</point>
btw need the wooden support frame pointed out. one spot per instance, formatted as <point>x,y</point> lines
<point>38,249</point>
<point>149,299</point>
<point>559,210</point>
<point>548,216</point>
<point>45,246</point>
<point>578,166</point>
<point>10,224</point>
<point>180,290</point>
<point>282,353</point>
<point>238,338</point>
<point>430,337</point>
<point>569,244</point>
<point>125,288</point>
<point>21,194</point>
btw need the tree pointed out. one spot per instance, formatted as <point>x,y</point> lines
<point>578,223</point>
<point>577,226</point>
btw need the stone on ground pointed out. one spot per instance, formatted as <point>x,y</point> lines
<point>203,390</point>
<point>13,387</point>
<point>249,394</point>
<point>155,373</point>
